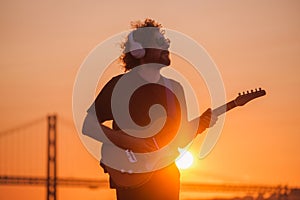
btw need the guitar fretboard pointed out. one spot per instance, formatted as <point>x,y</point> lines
<point>224,108</point>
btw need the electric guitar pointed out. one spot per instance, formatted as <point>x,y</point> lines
<point>137,168</point>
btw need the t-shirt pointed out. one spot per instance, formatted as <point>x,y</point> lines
<point>138,100</point>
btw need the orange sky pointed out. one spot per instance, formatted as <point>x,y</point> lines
<point>253,43</point>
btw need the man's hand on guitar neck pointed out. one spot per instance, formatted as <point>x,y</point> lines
<point>206,120</point>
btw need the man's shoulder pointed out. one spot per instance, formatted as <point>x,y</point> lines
<point>112,82</point>
<point>116,78</point>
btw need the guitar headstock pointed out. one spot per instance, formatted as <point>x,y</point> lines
<point>245,97</point>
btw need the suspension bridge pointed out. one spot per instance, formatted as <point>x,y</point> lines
<point>46,153</point>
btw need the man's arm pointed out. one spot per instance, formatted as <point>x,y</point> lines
<point>191,128</point>
<point>92,128</point>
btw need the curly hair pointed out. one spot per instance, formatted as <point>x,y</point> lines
<point>128,62</point>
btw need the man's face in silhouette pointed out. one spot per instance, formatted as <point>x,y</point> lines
<point>158,53</point>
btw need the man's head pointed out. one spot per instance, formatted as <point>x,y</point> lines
<point>145,44</point>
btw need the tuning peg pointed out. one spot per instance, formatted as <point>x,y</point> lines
<point>240,94</point>
<point>255,89</point>
<point>259,89</point>
<point>247,92</point>
<point>251,91</point>
<point>243,92</point>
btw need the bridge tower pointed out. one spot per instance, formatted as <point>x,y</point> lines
<point>51,158</point>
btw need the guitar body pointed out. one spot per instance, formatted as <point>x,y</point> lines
<point>127,180</point>
<point>128,169</point>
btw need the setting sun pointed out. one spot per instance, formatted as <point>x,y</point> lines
<point>185,160</point>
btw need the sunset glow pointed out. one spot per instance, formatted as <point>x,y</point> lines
<point>185,160</point>
<point>253,44</point>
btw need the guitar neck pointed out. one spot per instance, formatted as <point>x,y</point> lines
<point>224,108</point>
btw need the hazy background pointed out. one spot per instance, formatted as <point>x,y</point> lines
<point>253,43</point>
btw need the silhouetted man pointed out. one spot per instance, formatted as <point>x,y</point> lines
<point>148,113</point>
